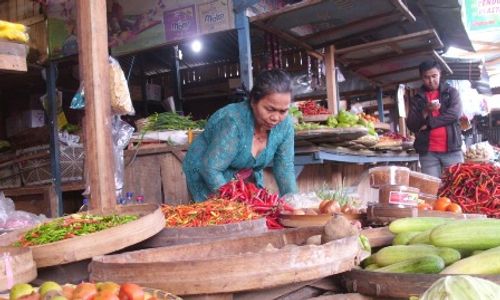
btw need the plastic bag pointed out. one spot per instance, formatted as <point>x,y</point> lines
<point>121,103</point>
<point>78,101</point>
<point>121,132</point>
<point>20,219</point>
<point>6,208</point>
<point>480,151</point>
<point>10,219</point>
<point>302,84</point>
<point>307,200</point>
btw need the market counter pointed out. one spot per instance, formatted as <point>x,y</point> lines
<point>156,171</point>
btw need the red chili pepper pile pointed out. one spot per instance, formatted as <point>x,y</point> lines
<point>474,186</point>
<point>261,201</point>
<point>311,108</point>
<point>207,213</point>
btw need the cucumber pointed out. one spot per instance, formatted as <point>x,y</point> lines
<point>422,238</point>
<point>395,254</point>
<point>476,234</point>
<point>404,237</point>
<point>425,264</point>
<point>416,224</point>
<point>371,267</point>
<point>486,262</point>
<point>475,252</point>
<point>370,260</point>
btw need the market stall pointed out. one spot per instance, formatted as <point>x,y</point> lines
<point>242,241</point>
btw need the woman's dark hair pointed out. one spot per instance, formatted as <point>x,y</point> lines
<point>270,82</point>
<point>427,65</point>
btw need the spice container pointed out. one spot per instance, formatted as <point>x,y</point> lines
<point>389,175</point>
<point>429,199</point>
<point>427,184</point>
<point>398,195</point>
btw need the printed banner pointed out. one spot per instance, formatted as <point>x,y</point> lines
<point>483,14</point>
<point>180,23</point>
<point>213,16</point>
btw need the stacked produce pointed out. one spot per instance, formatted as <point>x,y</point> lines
<point>260,200</point>
<point>13,32</point>
<point>344,119</point>
<point>462,287</point>
<point>51,290</point>
<point>207,213</point>
<point>473,186</point>
<point>368,117</point>
<point>311,108</point>
<point>69,227</point>
<point>171,121</point>
<point>440,245</point>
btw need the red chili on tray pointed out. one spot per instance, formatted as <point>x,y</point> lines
<point>311,108</point>
<point>474,186</point>
<point>260,200</point>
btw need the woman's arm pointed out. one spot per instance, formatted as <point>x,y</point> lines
<point>283,164</point>
<point>221,151</point>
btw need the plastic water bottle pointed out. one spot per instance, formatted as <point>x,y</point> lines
<point>129,198</point>
<point>85,205</point>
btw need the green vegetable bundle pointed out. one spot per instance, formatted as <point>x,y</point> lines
<point>172,121</point>
<point>462,287</point>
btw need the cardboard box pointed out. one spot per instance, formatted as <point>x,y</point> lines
<point>33,118</point>
<point>27,119</point>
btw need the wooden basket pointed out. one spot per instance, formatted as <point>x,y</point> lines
<point>170,236</point>
<point>226,266</point>
<point>394,285</point>
<point>21,263</point>
<point>106,241</point>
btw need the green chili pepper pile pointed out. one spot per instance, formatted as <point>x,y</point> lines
<point>70,226</point>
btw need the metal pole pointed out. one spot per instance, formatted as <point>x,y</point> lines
<point>54,135</point>
<point>380,103</point>
<point>244,44</point>
<point>176,79</point>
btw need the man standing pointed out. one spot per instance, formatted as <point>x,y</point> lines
<point>434,118</point>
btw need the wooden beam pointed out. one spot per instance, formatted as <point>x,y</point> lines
<point>439,59</point>
<point>396,48</point>
<point>331,80</point>
<point>392,72</point>
<point>94,68</point>
<point>431,34</point>
<point>388,58</point>
<point>367,22</point>
<point>404,10</point>
<point>277,12</point>
<point>291,39</point>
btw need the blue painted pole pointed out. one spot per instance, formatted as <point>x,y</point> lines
<point>244,44</point>
<point>380,104</point>
<point>54,135</point>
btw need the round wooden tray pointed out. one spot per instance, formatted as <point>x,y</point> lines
<point>226,266</point>
<point>288,220</point>
<point>394,285</point>
<point>332,134</point>
<point>21,263</point>
<point>106,241</point>
<point>184,235</point>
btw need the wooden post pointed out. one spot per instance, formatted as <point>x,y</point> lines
<point>331,80</point>
<point>94,70</point>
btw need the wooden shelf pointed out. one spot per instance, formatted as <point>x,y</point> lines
<point>13,56</point>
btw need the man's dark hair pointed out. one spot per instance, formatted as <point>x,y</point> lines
<point>270,82</point>
<point>427,65</point>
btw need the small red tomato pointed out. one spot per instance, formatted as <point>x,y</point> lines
<point>131,291</point>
